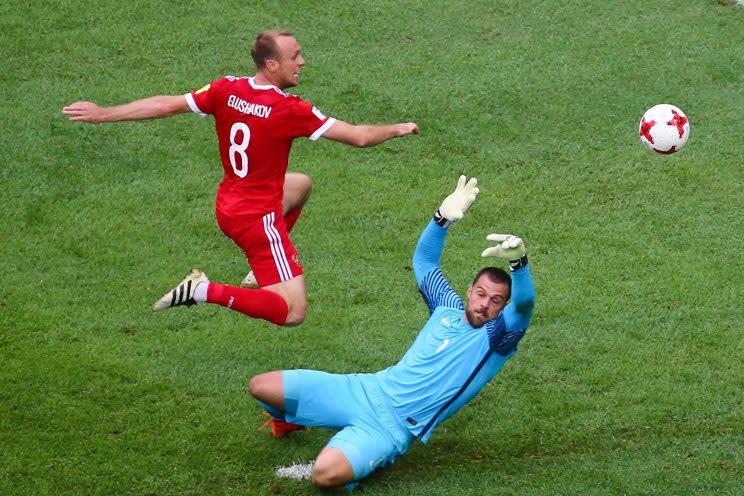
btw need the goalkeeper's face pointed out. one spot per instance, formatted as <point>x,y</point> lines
<point>486,299</point>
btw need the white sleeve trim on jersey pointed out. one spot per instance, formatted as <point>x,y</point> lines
<point>322,129</point>
<point>192,104</point>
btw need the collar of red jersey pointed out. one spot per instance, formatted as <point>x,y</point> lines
<point>263,86</point>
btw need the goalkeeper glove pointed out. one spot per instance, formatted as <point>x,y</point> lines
<point>508,247</point>
<point>453,207</point>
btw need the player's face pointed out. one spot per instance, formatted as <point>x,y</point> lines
<point>486,299</point>
<point>290,62</point>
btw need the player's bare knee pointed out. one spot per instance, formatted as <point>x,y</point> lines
<point>257,386</point>
<point>297,313</point>
<point>295,318</point>
<point>325,478</point>
<point>305,189</point>
<point>332,470</point>
<point>320,483</point>
<point>297,190</point>
<point>303,183</point>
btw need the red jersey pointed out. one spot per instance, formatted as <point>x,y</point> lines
<point>255,125</point>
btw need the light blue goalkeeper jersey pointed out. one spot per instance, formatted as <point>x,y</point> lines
<point>450,361</point>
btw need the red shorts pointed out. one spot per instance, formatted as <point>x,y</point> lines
<point>266,244</point>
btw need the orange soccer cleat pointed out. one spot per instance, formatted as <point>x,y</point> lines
<point>279,428</point>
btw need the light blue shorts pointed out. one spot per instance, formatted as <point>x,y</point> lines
<point>371,436</point>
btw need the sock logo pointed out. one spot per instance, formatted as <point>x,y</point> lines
<point>230,302</point>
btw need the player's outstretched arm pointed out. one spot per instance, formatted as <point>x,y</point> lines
<point>148,108</point>
<point>453,207</point>
<point>431,242</point>
<point>508,247</point>
<point>364,135</point>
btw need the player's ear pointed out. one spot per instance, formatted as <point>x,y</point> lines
<point>271,65</point>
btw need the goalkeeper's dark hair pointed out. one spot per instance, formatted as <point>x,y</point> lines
<point>495,274</point>
<point>264,47</point>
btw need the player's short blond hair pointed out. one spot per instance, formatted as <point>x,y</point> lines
<point>264,47</point>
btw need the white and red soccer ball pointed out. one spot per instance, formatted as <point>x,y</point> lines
<point>664,129</point>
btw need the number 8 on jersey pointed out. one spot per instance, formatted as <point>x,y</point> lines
<point>239,148</point>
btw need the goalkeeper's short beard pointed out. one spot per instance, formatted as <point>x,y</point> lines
<point>476,319</point>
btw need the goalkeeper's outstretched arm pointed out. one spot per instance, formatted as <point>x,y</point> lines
<point>434,288</point>
<point>428,251</point>
<point>518,312</point>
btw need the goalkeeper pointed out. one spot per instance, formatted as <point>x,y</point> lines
<point>461,348</point>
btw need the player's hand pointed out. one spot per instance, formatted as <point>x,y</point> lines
<point>457,203</point>
<point>84,111</point>
<point>407,128</point>
<point>508,247</point>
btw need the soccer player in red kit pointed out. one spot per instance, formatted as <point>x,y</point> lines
<point>258,201</point>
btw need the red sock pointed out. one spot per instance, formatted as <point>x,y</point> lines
<point>291,218</point>
<point>256,303</point>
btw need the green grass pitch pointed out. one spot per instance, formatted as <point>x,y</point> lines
<point>630,379</point>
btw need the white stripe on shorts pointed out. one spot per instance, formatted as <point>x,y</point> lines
<point>277,249</point>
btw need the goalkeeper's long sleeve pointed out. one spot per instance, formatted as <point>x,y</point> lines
<point>518,312</point>
<point>432,285</point>
<point>428,251</point>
